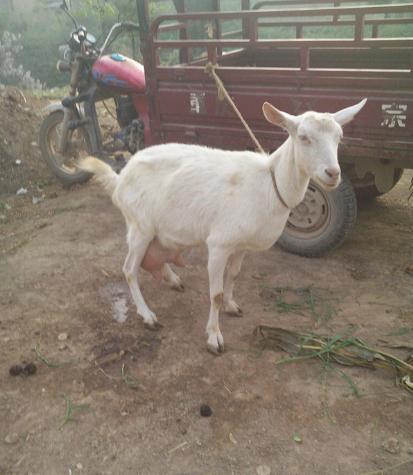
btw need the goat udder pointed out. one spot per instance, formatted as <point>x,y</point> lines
<point>156,256</point>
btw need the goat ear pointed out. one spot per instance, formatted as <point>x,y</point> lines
<point>277,117</point>
<point>347,115</point>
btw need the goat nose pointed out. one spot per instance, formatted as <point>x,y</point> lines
<point>333,172</point>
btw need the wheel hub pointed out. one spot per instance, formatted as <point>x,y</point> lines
<point>312,214</point>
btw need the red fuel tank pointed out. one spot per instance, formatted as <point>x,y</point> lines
<point>118,72</point>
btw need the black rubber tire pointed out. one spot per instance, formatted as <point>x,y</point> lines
<point>50,122</point>
<point>341,205</point>
<point>369,192</point>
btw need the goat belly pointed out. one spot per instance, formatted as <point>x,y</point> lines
<point>156,256</point>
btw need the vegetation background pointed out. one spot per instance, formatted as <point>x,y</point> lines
<point>31,32</point>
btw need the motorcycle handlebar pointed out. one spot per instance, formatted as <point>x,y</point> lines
<point>127,25</point>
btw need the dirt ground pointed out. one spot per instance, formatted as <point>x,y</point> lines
<point>115,398</point>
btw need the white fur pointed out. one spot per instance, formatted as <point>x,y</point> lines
<point>186,195</point>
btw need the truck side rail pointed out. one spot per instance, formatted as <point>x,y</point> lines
<point>336,21</point>
<point>264,4</point>
<point>357,16</point>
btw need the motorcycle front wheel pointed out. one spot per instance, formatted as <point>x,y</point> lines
<point>78,146</point>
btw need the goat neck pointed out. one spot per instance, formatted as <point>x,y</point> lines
<point>292,181</point>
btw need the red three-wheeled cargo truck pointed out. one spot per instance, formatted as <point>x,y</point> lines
<point>298,55</point>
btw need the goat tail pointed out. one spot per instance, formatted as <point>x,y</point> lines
<point>104,173</point>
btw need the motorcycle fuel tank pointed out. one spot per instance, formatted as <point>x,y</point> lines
<point>118,72</point>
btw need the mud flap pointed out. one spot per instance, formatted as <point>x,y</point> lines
<point>383,173</point>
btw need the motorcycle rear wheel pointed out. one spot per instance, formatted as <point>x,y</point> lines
<point>78,146</point>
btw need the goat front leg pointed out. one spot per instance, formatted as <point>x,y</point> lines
<point>233,269</point>
<point>137,247</point>
<point>217,261</point>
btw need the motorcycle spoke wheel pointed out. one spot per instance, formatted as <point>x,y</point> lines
<point>77,148</point>
<point>64,165</point>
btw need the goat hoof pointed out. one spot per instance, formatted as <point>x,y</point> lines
<point>155,326</point>
<point>178,287</point>
<point>238,314</point>
<point>215,344</point>
<point>215,350</point>
<point>231,308</point>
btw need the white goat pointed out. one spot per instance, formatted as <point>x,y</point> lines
<point>175,196</point>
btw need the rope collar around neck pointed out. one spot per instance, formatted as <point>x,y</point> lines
<point>277,191</point>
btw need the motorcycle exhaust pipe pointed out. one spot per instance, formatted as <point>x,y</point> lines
<point>63,66</point>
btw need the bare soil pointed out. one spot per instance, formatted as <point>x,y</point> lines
<point>20,162</point>
<point>135,395</point>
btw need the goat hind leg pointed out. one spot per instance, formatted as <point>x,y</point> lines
<point>171,278</point>
<point>233,269</point>
<point>137,247</point>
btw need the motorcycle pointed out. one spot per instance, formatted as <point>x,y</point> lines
<point>71,128</point>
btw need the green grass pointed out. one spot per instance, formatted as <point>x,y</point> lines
<point>71,410</point>
<point>130,381</point>
<point>46,361</point>
<point>306,301</point>
<point>343,349</point>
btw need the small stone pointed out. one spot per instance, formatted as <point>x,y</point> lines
<point>205,410</point>
<point>15,370</point>
<point>18,162</point>
<point>232,438</point>
<point>124,413</point>
<point>21,191</point>
<point>62,346</point>
<point>36,200</point>
<point>11,439</point>
<point>79,466</point>
<point>391,445</point>
<point>62,336</point>
<point>263,470</point>
<point>33,144</point>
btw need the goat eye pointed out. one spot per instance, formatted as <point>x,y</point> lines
<point>305,139</point>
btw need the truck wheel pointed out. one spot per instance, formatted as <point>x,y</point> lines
<point>321,221</point>
<point>366,189</point>
<point>64,164</point>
